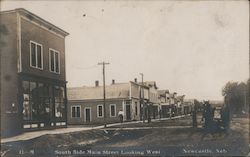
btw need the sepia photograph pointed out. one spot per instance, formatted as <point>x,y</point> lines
<point>124,78</point>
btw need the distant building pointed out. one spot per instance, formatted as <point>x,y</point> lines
<point>165,104</point>
<point>180,104</point>
<point>170,103</point>
<point>188,105</point>
<point>32,74</point>
<point>154,105</point>
<point>86,106</point>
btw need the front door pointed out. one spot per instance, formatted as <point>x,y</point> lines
<point>46,105</point>
<point>128,113</point>
<point>165,111</point>
<point>42,111</point>
<point>87,115</point>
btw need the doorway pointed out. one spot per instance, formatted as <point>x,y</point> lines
<point>42,110</point>
<point>87,117</point>
<point>128,112</point>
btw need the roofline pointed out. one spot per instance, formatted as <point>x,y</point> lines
<point>120,83</point>
<point>48,24</point>
<point>88,87</point>
<point>97,100</point>
<point>164,90</point>
<point>136,83</point>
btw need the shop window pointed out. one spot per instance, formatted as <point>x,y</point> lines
<point>100,111</point>
<point>36,55</point>
<point>59,102</point>
<point>26,107</point>
<point>33,104</point>
<point>75,111</point>
<point>25,85</point>
<point>39,100</point>
<point>40,90</point>
<point>26,100</point>
<point>47,90</point>
<point>54,58</point>
<point>58,109</point>
<point>112,110</point>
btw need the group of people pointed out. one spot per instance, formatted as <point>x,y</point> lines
<point>207,115</point>
<point>210,124</point>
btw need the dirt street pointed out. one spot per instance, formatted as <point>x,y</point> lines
<point>171,137</point>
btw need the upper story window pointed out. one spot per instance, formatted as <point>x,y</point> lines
<point>54,59</point>
<point>36,55</point>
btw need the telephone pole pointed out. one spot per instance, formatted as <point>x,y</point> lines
<point>142,95</point>
<point>104,90</point>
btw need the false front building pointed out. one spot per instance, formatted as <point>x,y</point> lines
<point>32,74</point>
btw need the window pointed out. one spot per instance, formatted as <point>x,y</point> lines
<point>59,101</point>
<point>26,101</point>
<point>75,111</point>
<point>100,111</point>
<point>54,58</point>
<point>42,101</point>
<point>112,110</point>
<point>36,55</point>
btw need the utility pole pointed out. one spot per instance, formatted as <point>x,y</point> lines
<point>142,94</point>
<point>104,91</point>
<point>245,101</point>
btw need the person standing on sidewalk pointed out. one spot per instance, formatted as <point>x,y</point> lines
<point>120,115</point>
<point>160,113</point>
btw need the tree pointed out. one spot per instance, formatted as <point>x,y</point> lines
<point>235,96</point>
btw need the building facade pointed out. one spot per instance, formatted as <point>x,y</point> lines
<point>32,75</point>
<point>165,105</point>
<point>188,105</point>
<point>170,103</point>
<point>154,104</point>
<point>86,105</point>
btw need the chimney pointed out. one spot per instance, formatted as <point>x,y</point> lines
<point>113,81</point>
<point>135,80</point>
<point>96,83</point>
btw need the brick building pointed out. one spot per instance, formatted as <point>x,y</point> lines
<point>32,74</point>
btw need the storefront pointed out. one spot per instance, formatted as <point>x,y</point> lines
<point>43,103</point>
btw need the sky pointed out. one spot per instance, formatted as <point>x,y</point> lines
<point>189,47</point>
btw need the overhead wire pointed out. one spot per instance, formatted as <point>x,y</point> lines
<point>86,68</point>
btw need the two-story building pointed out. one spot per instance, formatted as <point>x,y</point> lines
<point>154,105</point>
<point>181,108</point>
<point>86,104</point>
<point>169,104</point>
<point>164,100</point>
<point>188,105</point>
<point>32,74</point>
